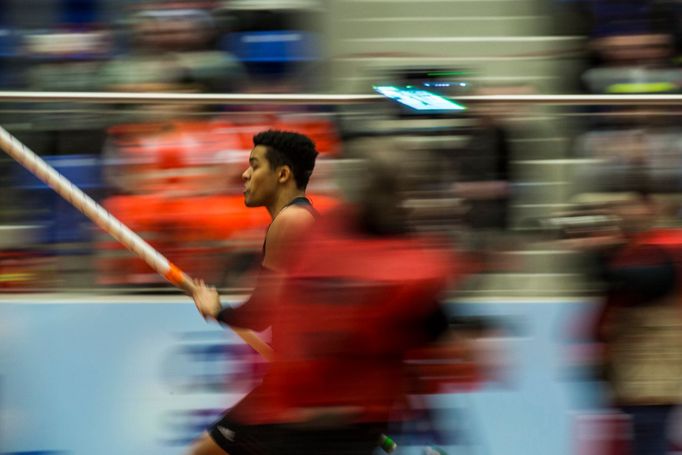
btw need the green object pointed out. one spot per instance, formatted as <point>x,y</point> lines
<point>642,87</point>
<point>387,444</point>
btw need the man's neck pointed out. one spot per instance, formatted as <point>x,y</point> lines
<point>283,199</point>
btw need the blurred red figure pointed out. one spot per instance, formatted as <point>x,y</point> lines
<point>352,307</point>
<point>360,293</point>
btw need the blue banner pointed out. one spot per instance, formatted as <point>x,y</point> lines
<point>145,375</point>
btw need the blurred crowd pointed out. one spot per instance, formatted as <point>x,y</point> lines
<point>170,172</point>
<point>159,167</point>
<point>173,172</point>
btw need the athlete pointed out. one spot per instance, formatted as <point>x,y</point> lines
<point>280,166</point>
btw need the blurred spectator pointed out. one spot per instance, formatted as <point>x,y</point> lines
<point>629,28</point>
<point>631,51</point>
<point>637,329</point>
<point>483,175</point>
<point>483,178</point>
<point>640,331</point>
<point>172,50</point>
<point>174,47</point>
<point>603,18</point>
<point>637,148</point>
<point>633,63</point>
<point>640,150</point>
<point>65,60</point>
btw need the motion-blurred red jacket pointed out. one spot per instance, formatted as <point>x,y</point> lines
<point>352,305</point>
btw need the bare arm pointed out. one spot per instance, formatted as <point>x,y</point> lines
<point>254,314</point>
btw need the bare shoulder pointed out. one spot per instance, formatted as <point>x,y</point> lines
<point>292,218</point>
<point>288,228</point>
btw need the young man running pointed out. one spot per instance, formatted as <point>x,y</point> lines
<point>280,166</point>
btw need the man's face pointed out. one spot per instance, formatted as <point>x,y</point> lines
<point>260,180</point>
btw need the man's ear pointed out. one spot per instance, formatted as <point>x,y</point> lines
<point>284,173</point>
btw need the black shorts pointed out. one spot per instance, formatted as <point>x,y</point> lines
<point>239,439</point>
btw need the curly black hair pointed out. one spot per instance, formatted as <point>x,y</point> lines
<point>291,149</point>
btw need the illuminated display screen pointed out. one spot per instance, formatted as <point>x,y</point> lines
<point>418,99</point>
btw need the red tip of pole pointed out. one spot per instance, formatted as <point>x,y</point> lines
<point>175,275</point>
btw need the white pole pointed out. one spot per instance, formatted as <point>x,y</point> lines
<point>111,225</point>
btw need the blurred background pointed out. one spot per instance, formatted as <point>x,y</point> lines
<point>537,195</point>
<point>503,171</point>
